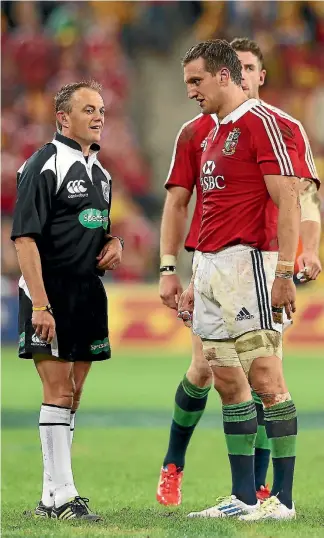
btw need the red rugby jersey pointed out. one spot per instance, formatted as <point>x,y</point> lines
<point>308,168</point>
<point>185,166</point>
<point>250,142</point>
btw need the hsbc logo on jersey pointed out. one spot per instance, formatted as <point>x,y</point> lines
<point>209,182</point>
<point>77,189</point>
<point>209,167</point>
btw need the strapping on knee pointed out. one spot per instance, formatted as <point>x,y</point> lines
<point>255,344</point>
<point>221,353</point>
<point>269,399</point>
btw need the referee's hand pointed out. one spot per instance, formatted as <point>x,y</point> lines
<point>44,325</point>
<point>110,256</point>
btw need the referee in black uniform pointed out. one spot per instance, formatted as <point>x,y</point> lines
<point>61,231</point>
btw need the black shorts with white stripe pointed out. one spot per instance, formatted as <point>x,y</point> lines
<point>80,311</point>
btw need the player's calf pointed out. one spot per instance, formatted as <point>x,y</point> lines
<point>190,402</point>
<point>262,452</point>
<point>280,422</point>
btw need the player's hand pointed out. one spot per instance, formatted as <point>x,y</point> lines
<point>186,305</point>
<point>283,296</point>
<point>44,325</point>
<point>170,290</point>
<point>309,266</point>
<point>110,256</point>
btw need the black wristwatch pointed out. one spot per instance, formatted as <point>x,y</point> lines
<point>121,240</point>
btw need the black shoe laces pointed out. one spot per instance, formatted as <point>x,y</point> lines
<point>81,505</point>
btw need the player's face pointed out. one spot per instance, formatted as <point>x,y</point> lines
<point>86,120</point>
<point>252,75</point>
<point>202,86</point>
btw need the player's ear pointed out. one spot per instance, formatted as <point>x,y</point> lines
<point>262,77</point>
<point>224,75</point>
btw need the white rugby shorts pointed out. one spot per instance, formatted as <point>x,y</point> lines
<point>232,291</point>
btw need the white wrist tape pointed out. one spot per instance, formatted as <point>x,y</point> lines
<point>168,260</point>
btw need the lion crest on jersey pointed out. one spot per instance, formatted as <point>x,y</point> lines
<point>231,142</point>
<point>204,144</point>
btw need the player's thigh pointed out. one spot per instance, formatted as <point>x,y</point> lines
<point>199,372</point>
<point>263,359</point>
<point>229,378</point>
<point>266,376</point>
<point>198,357</point>
<point>260,351</point>
<point>231,384</point>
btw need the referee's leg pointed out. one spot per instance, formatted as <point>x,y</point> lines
<point>79,372</point>
<point>54,428</point>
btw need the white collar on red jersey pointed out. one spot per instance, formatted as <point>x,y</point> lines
<point>238,112</point>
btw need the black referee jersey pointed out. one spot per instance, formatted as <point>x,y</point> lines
<point>63,202</point>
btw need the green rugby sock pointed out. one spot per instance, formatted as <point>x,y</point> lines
<point>281,426</point>
<point>262,446</point>
<point>190,403</point>
<point>240,427</point>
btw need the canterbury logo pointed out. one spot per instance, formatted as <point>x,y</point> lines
<point>36,340</point>
<point>209,167</point>
<point>76,187</point>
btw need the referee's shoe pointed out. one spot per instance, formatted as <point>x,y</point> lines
<point>41,511</point>
<point>76,508</point>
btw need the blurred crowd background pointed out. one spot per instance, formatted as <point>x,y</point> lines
<point>134,49</point>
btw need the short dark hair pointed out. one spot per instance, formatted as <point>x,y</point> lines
<point>244,44</point>
<point>217,53</point>
<point>62,99</point>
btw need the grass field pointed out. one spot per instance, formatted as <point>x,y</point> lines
<point>120,439</point>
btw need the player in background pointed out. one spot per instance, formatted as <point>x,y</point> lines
<point>183,178</point>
